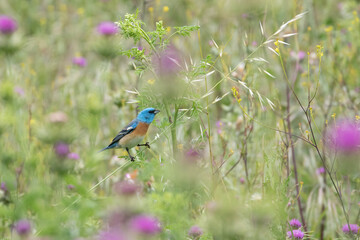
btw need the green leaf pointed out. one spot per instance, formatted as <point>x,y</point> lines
<point>131,27</point>
<point>160,30</point>
<point>186,30</point>
<point>134,53</point>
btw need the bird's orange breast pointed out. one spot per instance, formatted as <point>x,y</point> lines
<point>140,129</point>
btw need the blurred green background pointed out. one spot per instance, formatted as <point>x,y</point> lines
<point>210,164</point>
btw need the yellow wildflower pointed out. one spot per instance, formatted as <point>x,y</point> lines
<point>80,11</point>
<point>42,21</point>
<point>151,81</point>
<point>319,50</point>
<point>32,122</point>
<point>329,29</point>
<point>63,8</point>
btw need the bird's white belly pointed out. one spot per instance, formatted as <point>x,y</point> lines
<point>129,141</point>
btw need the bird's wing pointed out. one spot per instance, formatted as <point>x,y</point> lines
<point>125,131</point>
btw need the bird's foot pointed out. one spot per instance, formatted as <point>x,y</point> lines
<point>131,157</point>
<point>146,145</point>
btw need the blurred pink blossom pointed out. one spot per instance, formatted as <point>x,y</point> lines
<point>79,61</point>
<point>320,170</point>
<point>107,28</point>
<point>298,55</point>
<point>168,62</point>
<point>22,227</point>
<point>195,232</point>
<point>145,224</point>
<point>7,24</point>
<point>19,90</point>
<point>344,136</point>
<point>354,228</point>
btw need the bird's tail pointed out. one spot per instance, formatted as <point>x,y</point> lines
<point>104,149</point>
<point>108,147</point>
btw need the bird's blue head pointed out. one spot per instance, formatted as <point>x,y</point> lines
<point>147,115</point>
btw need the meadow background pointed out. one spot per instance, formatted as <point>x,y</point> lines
<point>258,135</point>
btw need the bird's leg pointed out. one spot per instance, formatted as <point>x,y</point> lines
<point>146,145</point>
<point>131,157</point>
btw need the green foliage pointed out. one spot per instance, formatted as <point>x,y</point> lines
<point>134,53</point>
<point>221,157</point>
<point>186,30</point>
<point>131,27</point>
<point>173,210</point>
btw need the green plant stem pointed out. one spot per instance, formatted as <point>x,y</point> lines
<point>315,145</point>
<point>147,39</point>
<point>207,112</point>
<point>328,171</point>
<point>291,145</point>
<point>173,131</point>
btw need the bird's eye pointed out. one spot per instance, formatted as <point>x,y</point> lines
<point>152,111</point>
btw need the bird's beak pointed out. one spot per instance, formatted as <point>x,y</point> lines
<point>156,111</point>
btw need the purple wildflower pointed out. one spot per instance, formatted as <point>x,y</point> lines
<point>345,137</point>
<point>299,55</point>
<point>3,187</point>
<point>242,180</point>
<point>112,234</point>
<point>22,227</point>
<point>192,153</point>
<point>70,187</point>
<point>61,149</point>
<point>167,63</point>
<point>118,218</point>
<point>320,170</point>
<point>19,90</point>
<point>79,61</point>
<point>254,43</point>
<point>295,223</point>
<point>245,15</point>
<point>354,228</point>
<point>219,125</point>
<point>195,232</point>
<point>295,234</point>
<point>73,156</point>
<point>107,28</point>
<point>145,224</point>
<point>7,24</point>
<point>127,188</point>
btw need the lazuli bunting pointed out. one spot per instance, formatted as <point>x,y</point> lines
<point>134,132</point>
